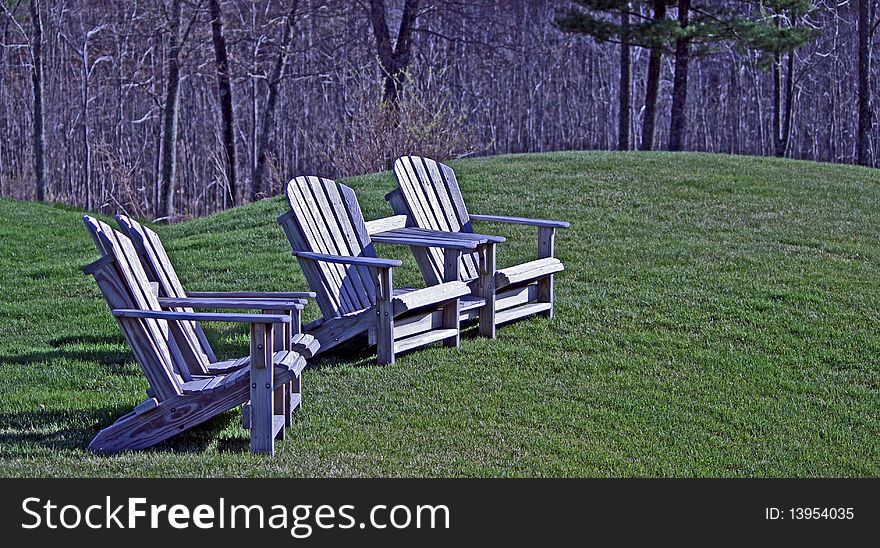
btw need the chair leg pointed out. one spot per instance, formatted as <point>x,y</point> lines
<point>384,318</point>
<point>487,290</point>
<point>546,248</point>
<point>281,407</point>
<point>262,390</point>
<point>295,397</point>
<point>451,310</point>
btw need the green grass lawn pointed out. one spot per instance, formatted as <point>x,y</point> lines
<point>718,316</point>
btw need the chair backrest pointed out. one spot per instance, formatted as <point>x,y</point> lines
<point>430,194</point>
<point>159,269</point>
<point>125,285</point>
<point>325,218</point>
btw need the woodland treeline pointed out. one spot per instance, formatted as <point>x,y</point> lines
<point>169,109</point>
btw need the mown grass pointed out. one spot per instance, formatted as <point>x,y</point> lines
<point>718,317</point>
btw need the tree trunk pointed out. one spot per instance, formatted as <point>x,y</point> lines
<point>864,54</point>
<point>393,60</point>
<point>678,122</point>
<point>273,80</point>
<point>170,116</point>
<point>37,81</point>
<point>652,84</point>
<point>625,92</point>
<point>783,104</point>
<point>224,93</point>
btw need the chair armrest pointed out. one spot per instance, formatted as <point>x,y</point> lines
<point>415,241</point>
<point>275,295</point>
<point>358,261</point>
<point>200,316</point>
<point>238,304</point>
<point>542,223</point>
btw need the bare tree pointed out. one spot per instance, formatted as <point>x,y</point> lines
<point>866,32</point>
<point>394,59</point>
<point>678,115</point>
<point>224,93</point>
<point>39,139</point>
<point>625,93</point>
<point>652,82</point>
<point>273,81</point>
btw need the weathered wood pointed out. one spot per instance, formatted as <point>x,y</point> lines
<point>200,316</point>
<point>429,296</point>
<point>262,389</point>
<point>303,296</point>
<point>430,197</point>
<point>526,272</point>
<point>399,239</point>
<point>344,259</point>
<point>487,290</point>
<point>385,318</point>
<point>147,405</point>
<point>194,345</point>
<point>305,345</point>
<point>385,223</point>
<point>451,275</point>
<point>546,249</point>
<point>178,400</point>
<point>238,304</point>
<point>510,297</point>
<point>424,339</point>
<point>518,312</point>
<point>543,223</point>
<point>354,288</point>
<point>174,415</point>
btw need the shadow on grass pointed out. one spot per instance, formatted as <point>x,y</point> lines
<point>69,430</point>
<point>114,361</point>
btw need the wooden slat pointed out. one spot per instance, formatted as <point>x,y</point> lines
<point>527,271</point>
<point>427,266</point>
<point>418,205</point>
<point>432,205</point>
<point>362,282</point>
<point>302,296</point>
<point>195,349</point>
<point>312,239</point>
<point>438,194</point>
<point>412,324</point>
<point>235,304</point>
<point>516,296</point>
<point>429,296</point>
<point>337,240</point>
<point>335,331</point>
<point>385,223</point>
<point>543,223</point>
<point>325,291</point>
<point>517,312</point>
<point>417,341</point>
<point>122,288</point>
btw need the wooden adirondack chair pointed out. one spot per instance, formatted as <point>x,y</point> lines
<point>177,399</point>
<point>429,197</point>
<point>190,336</point>
<point>354,287</point>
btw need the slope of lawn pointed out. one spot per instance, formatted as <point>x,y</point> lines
<point>719,316</point>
